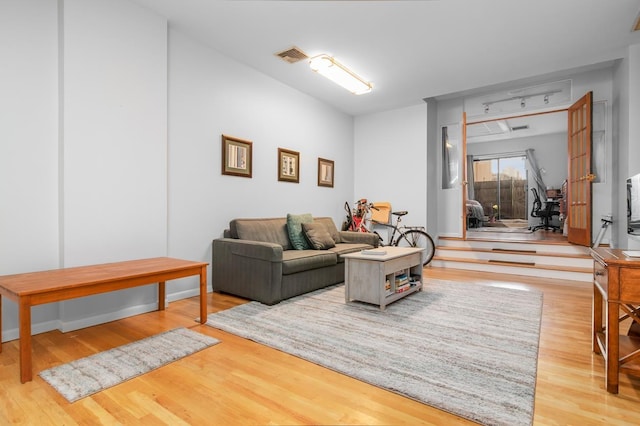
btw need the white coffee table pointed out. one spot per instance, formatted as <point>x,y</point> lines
<point>366,275</point>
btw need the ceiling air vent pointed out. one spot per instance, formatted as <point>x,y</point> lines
<point>292,55</point>
<point>524,127</point>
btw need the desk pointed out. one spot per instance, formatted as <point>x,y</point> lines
<point>37,288</point>
<point>616,288</point>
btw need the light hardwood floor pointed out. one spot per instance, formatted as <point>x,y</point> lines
<point>241,382</point>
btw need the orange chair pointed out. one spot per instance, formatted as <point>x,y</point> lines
<point>381,212</point>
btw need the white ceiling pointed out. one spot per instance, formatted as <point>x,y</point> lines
<point>409,50</point>
<point>517,127</point>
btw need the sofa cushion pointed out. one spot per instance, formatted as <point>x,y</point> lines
<point>317,235</point>
<point>271,230</point>
<point>331,227</point>
<point>294,228</point>
<point>294,261</point>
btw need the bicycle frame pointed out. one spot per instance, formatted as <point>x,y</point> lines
<point>397,229</point>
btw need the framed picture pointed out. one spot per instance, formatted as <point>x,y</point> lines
<point>325,172</point>
<point>288,165</point>
<point>236,156</point>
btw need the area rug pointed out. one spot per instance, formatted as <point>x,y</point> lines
<point>86,376</point>
<point>467,349</point>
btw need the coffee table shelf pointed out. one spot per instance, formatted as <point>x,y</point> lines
<point>366,275</point>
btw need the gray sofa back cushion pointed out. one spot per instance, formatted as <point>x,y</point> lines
<point>269,230</point>
<point>331,227</point>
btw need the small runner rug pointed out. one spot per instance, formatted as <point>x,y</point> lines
<point>86,376</point>
<point>467,349</point>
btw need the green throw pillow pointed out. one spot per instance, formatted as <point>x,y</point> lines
<point>318,235</point>
<point>294,228</point>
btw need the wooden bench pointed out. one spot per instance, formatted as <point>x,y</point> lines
<point>37,288</point>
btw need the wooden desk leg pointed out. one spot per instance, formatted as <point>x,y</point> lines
<point>597,319</point>
<point>24,316</point>
<point>161,295</point>
<point>613,347</point>
<point>203,295</point>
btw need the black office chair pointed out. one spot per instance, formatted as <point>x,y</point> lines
<point>546,213</point>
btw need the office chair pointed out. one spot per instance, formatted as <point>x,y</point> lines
<point>545,214</point>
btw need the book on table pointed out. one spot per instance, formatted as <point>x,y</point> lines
<point>375,252</point>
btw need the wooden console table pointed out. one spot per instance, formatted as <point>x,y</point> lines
<point>616,288</point>
<point>37,288</point>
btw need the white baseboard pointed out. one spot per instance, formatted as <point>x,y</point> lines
<point>64,327</point>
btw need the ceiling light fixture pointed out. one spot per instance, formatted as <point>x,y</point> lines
<point>339,74</point>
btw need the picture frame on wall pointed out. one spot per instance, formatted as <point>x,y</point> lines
<point>288,165</point>
<point>237,156</point>
<point>325,172</point>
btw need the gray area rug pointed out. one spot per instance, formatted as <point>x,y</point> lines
<point>86,376</point>
<point>467,349</point>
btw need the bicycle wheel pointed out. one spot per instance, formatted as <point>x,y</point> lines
<point>418,238</point>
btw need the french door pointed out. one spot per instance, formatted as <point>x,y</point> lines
<point>580,177</point>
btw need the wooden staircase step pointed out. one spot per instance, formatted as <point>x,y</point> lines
<point>530,265</point>
<point>516,251</point>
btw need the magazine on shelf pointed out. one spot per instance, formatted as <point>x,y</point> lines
<point>403,288</point>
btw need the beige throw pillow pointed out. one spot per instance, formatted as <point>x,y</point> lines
<point>318,236</point>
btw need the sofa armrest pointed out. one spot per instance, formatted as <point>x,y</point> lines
<point>249,269</point>
<point>359,238</point>
<point>252,249</point>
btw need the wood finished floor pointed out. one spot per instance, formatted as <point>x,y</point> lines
<point>244,383</point>
<point>539,235</point>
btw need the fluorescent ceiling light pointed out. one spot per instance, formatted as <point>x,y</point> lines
<point>339,74</point>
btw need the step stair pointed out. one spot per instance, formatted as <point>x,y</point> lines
<point>548,259</point>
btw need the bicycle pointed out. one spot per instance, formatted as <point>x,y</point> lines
<point>408,236</point>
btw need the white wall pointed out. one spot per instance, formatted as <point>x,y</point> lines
<point>626,106</point>
<point>211,95</point>
<point>449,200</point>
<point>634,125</point>
<point>112,148</point>
<point>28,147</point>
<point>390,160</point>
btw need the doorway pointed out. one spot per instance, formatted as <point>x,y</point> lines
<point>500,171</point>
<point>500,186</point>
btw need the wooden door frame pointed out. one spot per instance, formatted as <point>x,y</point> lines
<point>464,153</point>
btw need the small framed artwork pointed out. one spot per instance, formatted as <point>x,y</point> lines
<point>288,165</point>
<point>325,172</point>
<point>236,156</point>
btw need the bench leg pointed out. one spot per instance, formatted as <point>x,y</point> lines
<point>24,316</point>
<point>203,295</point>
<point>161,295</point>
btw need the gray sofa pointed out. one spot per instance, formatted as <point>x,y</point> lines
<point>256,259</point>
